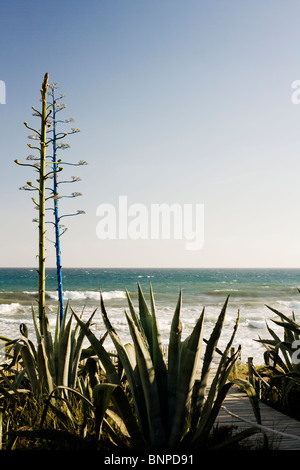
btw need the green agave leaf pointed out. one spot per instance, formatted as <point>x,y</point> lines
<point>103,394</point>
<point>158,358</point>
<point>149,384</point>
<point>205,426</point>
<point>13,351</point>
<point>115,441</point>
<point>277,348</point>
<point>24,330</point>
<point>101,398</point>
<point>100,351</point>
<point>190,356</point>
<point>200,435</point>
<point>226,363</point>
<point>18,379</point>
<point>76,350</point>
<point>203,409</point>
<point>132,377</point>
<point>174,359</point>
<point>213,341</point>
<point>266,341</point>
<point>25,340</point>
<point>247,387</point>
<point>145,318</point>
<point>134,315</point>
<point>12,386</point>
<point>45,376</point>
<point>5,339</point>
<point>282,316</point>
<point>48,344</point>
<point>64,349</point>
<point>57,331</point>
<point>159,363</point>
<point>36,325</point>
<point>62,324</point>
<point>129,347</point>
<point>207,361</point>
<point>57,411</point>
<point>288,326</point>
<point>29,362</point>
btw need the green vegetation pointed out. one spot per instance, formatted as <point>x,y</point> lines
<point>142,401</point>
<point>66,391</point>
<point>171,410</point>
<point>41,136</point>
<point>282,365</point>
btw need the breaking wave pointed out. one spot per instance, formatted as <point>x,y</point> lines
<point>85,295</point>
<point>8,308</point>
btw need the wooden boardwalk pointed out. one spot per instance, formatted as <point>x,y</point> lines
<point>283,432</point>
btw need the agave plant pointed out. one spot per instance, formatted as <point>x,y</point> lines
<point>282,354</point>
<point>54,361</point>
<point>167,406</point>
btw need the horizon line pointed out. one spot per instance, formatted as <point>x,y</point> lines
<point>155,267</point>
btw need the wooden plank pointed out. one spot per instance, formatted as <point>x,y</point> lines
<point>283,432</point>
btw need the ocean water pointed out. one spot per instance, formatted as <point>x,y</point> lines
<point>250,290</point>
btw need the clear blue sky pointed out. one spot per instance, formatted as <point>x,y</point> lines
<point>177,101</point>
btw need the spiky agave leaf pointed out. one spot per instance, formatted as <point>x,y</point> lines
<point>174,359</point>
<point>159,364</point>
<point>29,363</point>
<point>202,407</point>
<point>45,376</point>
<point>145,318</point>
<point>149,384</point>
<point>64,351</point>
<point>133,377</point>
<point>134,315</point>
<point>100,351</point>
<point>207,362</point>
<point>189,364</point>
<point>77,339</point>
<point>103,395</point>
<point>218,391</point>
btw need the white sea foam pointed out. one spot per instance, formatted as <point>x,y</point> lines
<point>8,308</point>
<point>225,290</point>
<point>289,304</point>
<point>84,295</point>
<point>255,323</point>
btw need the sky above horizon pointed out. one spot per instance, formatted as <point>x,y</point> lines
<point>186,102</point>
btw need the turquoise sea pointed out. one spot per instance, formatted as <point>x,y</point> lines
<point>250,291</point>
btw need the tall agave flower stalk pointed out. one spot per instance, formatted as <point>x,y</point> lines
<point>41,165</point>
<point>56,107</point>
<point>42,181</point>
